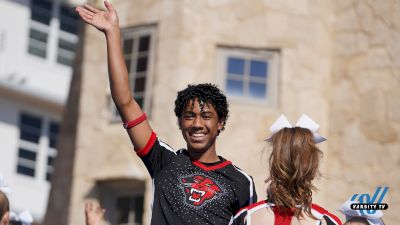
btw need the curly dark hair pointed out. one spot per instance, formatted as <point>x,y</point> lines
<point>206,93</point>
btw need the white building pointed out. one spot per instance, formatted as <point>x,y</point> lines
<point>37,41</point>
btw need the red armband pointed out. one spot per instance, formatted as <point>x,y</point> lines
<point>135,122</point>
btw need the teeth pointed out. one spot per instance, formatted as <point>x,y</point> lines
<point>198,135</point>
<point>194,200</point>
<point>196,192</point>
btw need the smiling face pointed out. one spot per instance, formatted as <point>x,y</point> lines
<point>200,125</point>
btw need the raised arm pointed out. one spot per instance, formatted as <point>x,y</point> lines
<point>107,22</point>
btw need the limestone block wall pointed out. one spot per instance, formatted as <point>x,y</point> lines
<point>365,105</point>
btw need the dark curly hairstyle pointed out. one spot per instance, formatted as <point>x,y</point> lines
<point>206,93</point>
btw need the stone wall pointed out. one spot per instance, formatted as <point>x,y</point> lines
<point>365,105</point>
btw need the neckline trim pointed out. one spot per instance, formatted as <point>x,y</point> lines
<point>205,167</point>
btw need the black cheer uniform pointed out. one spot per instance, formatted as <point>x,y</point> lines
<point>191,192</point>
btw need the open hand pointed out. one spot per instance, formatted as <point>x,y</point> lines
<point>104,21</point>
<point>93,213</point>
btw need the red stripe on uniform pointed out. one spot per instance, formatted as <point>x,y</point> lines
<point>326,212</point>
<point>210,168</point>
<point>252,206</point>
<point>319,209</point>
<point>249,207</point>
<point>335,218</point>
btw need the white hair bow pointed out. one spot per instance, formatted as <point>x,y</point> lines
<point>4,186</point>
<point>24,217</point>
<point>303,122</point>
<point>373,219</point>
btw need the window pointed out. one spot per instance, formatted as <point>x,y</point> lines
<point>138,45</point>
<point>53,31</point>
<point>250,75</point>
<point>38,138</point>
<point>30,127</point>
<point>52,151</point>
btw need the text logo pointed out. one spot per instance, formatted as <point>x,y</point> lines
<point>368,204</point>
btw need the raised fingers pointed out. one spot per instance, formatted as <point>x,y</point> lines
<point>91,8</point>
<point>87,19</point>
<point>108,5</point>
<point>85,14</point>
<point>84,11</point>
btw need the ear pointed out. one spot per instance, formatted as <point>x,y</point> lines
<point>179,122</point>
<point>220,124</point>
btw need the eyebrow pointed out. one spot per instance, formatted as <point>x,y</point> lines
<point>187,112</point>
<point>206,112</point>
<point>201,112</point>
